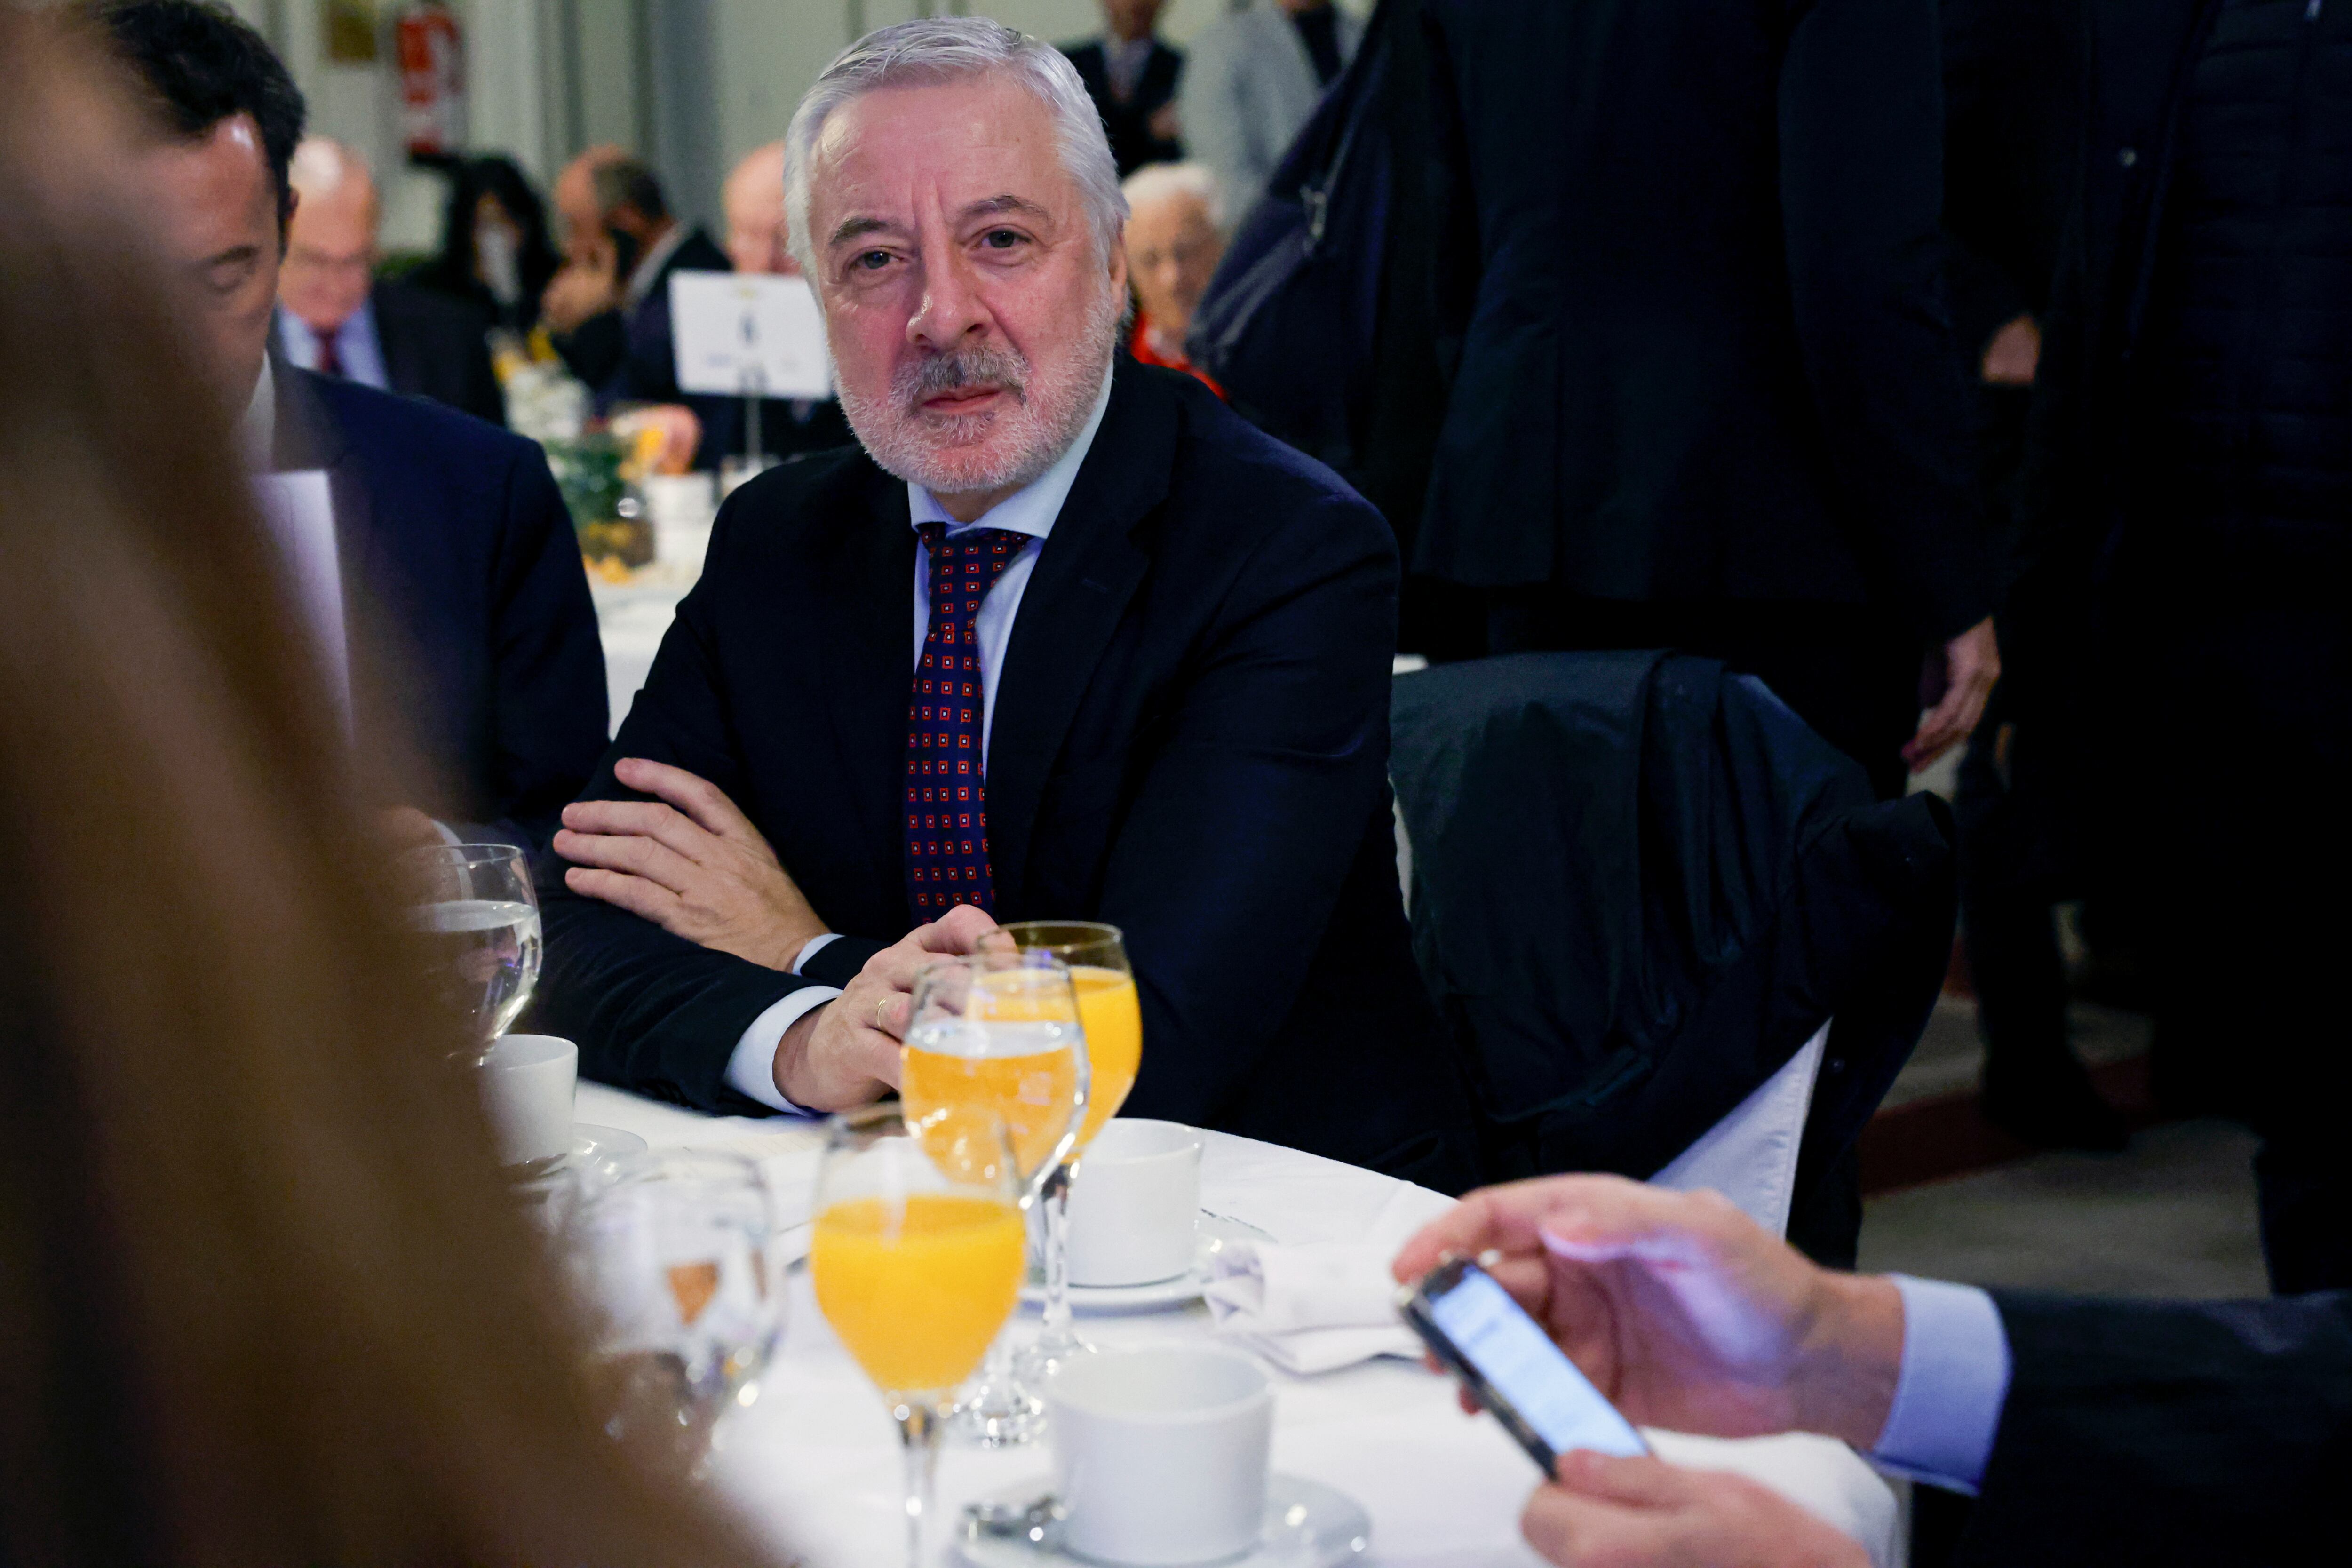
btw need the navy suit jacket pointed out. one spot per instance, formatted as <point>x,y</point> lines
<point>453,537</point>
<point>2206,1433</point>
<point>1190,740</point>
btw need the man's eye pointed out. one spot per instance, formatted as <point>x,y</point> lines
<point>873,260</point>
<point>1001,239</point>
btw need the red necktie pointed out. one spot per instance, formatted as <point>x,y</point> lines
<point>328,364</point>
<point>947,808</point>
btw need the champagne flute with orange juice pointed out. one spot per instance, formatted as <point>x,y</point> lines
<point>1112,1017</point>
<point>1000,1031</point>
<point>918,1256</point>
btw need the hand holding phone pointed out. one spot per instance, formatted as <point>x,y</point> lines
<point>1510,1366</point>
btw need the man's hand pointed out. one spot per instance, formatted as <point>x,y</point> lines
<point>695,866</point>
<point>1680,1308</point>
<point>582,288</point>
<point>404,827</point>
<point>2014,354</point>
<point>1953,687</point>
<point>1608,1512</point>
<point>847,1052</point>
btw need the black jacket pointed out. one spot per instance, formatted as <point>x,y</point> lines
<point>2143,1432</point>
<point>1132,145</point>
<point>437,347</point>
<point>1704,348</point>
<point>452,532</point>
<point>1190,741</point>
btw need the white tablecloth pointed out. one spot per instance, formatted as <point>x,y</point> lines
<point>817,1460</point>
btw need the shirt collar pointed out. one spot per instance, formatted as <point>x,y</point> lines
<point>1031,509</point>
<point>650,264</point>
<point>257,429</point>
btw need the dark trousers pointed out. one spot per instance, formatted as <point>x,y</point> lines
<point>1850,674</point>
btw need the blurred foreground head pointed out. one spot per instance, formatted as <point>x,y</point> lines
<point>261,1298</point>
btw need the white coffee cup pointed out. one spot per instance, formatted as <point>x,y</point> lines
<point>1159,1454</point>
<point>527,1084</point>
<point>1135,1203</point>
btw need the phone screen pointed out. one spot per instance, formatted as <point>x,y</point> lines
<point>1514,1356</point>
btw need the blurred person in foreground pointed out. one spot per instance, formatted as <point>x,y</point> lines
<point>494,252</point>
<point>1250,80</point>
<point>759,239</point>
<point>1062,638</point>
<point>1132,77</point>
<point>451,531</point>
<point>1706,393</point>
<point>2126,1432</point>
<point>263,1296</point>
<point>2189,498</point>
<point>608,308</point>
<point>335,318</point>
<point>1175,235</point>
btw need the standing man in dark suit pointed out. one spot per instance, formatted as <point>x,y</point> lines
<point>2190,491</point>
<point>440,533</point>
<point>609,307</point>
<point>1133,75</point>
<point>1707,394</point>
<point>1066,637</point>
<point>335,318</point>
<point>2091,1432</point>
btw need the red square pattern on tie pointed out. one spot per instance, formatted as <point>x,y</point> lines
<point>947,850</point>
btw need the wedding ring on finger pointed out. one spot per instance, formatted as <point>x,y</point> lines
<point>881,1005</point>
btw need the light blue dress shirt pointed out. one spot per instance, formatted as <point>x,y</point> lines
<point>357,348</point>
<point>1031,510</point>
<point>1950,1392</point>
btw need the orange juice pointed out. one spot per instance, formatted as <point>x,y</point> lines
<point>1030,1092</point>
<point>918,1292</point>
<point>1113,1020</point>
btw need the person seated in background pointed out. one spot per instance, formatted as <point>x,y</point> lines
<point>494,246</point>
<point>450,531</point>
<point>2089,1431</point>
<point>1252,80</point>
<point>608,308</point>
<point>1064,637</point>
<point>1175,237</point>
<point>1133,75</point>
<point>267,1298</point>
<point>335,317</point>
<point>759,239</point>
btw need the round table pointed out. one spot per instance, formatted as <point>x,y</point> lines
<point>814,1461</point>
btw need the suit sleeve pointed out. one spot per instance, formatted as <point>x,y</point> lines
<point>547,661</point>
<point>650,1010</point>
<point>1861,185</point>
<point>1254,806</point>
<point>2167,1432</point>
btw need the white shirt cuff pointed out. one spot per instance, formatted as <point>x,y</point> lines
<point>751,1070</point>
<point>1953,1384</point>
<point>815,945</point>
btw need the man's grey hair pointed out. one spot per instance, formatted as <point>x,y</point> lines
<point>1155,182</point>
<point>953,48</point>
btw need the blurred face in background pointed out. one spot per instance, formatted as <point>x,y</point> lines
<point>498,248</point>
<point>1129,19</point>
<point>971,310</point>
<point>213,210</point>
<point>330,252</point>
<point>754,202</point>
<point>1172,250</point>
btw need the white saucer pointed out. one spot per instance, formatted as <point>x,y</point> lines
<point>1308,1525</point>
<point>1215,1230</point>
<point>598,1148</point>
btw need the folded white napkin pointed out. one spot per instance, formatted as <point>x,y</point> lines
<point>1310,1307</point>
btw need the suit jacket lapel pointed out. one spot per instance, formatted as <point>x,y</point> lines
<point>868,664</point>
<point>1086,573</point>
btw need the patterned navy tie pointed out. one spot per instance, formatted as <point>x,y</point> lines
<point>947,810</point>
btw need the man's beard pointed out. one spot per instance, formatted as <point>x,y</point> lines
<point>1001,449</point>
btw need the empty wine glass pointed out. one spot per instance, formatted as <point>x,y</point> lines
<point>673,1258</point>
<point>474,905</point>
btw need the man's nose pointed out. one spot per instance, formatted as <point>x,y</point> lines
<point>952,309</point>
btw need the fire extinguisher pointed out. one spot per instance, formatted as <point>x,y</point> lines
<point>432,78</point>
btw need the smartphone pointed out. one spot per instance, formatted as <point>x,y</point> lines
<point>1511,1367</point>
